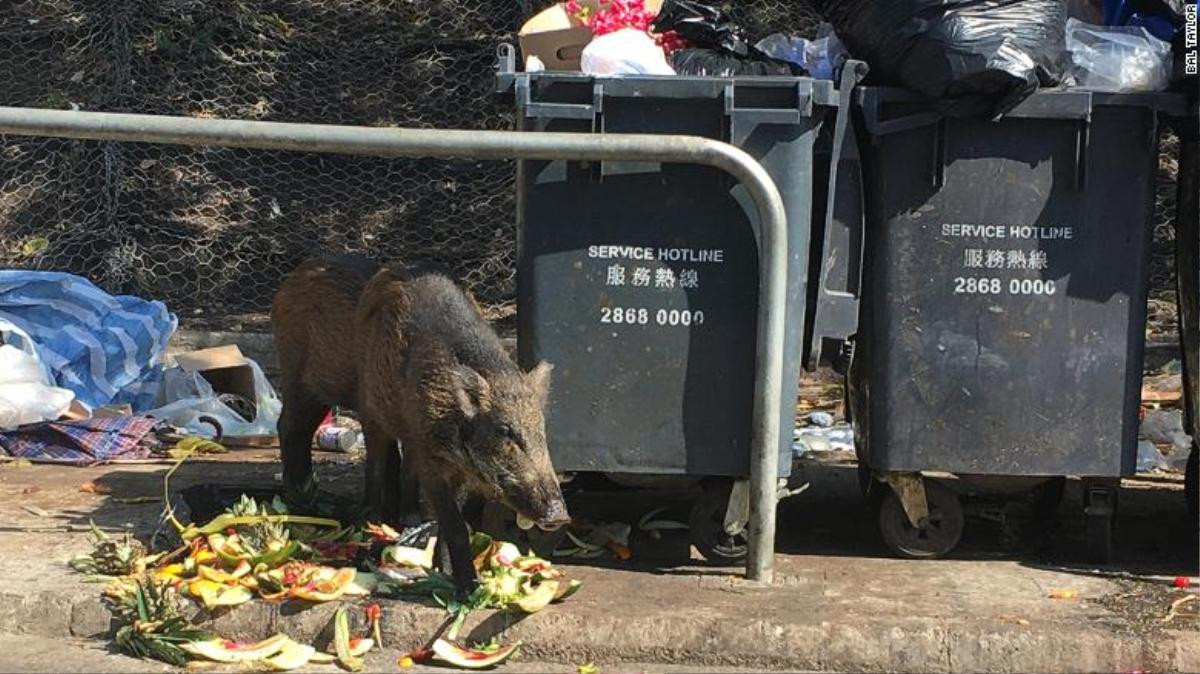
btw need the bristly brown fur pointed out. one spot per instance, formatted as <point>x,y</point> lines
<point>412,353</point>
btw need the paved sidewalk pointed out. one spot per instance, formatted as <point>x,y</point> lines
<point>838,603</point>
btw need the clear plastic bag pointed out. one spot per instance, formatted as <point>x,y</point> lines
<point>624,52</point>
<point>1116,58</point>
<point>187,397</point>
<point>821,57</point>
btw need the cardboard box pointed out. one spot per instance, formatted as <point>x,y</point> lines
<point>224,367</point>
<point>112,411</point>
<point>558,40</point>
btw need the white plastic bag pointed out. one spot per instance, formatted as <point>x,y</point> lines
<point>26,395</point>
<point>186,397</point>
<point>624,52</point>
<point>1116,58</point>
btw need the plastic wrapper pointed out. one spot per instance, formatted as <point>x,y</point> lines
<point>624,52</point>
<point>821,57</point>
<point>978,58</point>
<point>1117,58</point>
<point>716,49</point>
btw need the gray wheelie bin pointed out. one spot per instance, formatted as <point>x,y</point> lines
<point>639,282</point>
<point>1003,304</point>
<point>1187,274</point>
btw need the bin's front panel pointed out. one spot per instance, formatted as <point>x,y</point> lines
<point>1008,305</point>
<point>641,289</point>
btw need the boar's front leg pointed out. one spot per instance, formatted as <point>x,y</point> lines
<point>383,474</point>
<point>298,421</point>
<point>454,540</point>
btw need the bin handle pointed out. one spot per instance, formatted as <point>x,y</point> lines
<point>852,73</point>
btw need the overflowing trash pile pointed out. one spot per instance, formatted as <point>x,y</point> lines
<point>257,551</point>
<point>84,378</point>
<point>980,58</point>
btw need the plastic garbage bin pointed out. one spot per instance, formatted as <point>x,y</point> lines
<point>1001,331</point>
<point>639,282</point>
<point>1187,274</point>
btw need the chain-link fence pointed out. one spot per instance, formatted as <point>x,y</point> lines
<point>210,231</point>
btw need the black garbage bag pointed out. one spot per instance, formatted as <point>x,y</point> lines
<point>976,56</point>
<point>717,49</point>
<point>718,63</point>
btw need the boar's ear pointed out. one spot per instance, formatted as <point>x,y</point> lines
<point>539,377</point>
<point>471,391</point>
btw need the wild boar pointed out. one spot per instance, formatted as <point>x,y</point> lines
<point>412,353</point>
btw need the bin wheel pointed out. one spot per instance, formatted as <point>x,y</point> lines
<point>501,524</point>
<point>1190,479</point>
<point>706,524</point>
<point>936,537</point>
<point>1048,496</point>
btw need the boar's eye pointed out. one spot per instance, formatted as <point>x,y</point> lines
<point>508,432</point>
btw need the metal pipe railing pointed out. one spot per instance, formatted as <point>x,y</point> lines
<point>392,142</point>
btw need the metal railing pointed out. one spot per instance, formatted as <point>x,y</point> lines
<point>437,143</point>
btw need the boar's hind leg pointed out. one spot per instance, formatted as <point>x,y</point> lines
<point>298,421</point>
<point>454,541</point>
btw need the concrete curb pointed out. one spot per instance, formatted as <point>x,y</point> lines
<point>803,642</point>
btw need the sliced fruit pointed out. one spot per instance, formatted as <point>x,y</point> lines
<point>540,598</point>
<point>275,557</point>
<point>403,555</point>
<point>506,554</point>
<point>217,575</point>
<point>213,594</point>
<point>293,656</point>
<point>341,641</point>
<point>533,565</point>
<point>243,568</point>
<point>325,588</point>
<point>357,647</point>
<point>567,589</point>
<point>505,585</point>
<point>227,550</point>
<point>467,658</point>
<point>170,572</point>
<point>221,650</point>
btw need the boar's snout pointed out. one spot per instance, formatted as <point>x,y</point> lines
<point>545,506</point>
<point>556,516</point>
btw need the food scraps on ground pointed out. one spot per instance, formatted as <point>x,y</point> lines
<point>259,550</point>
<point>472,658</point>
<point>1064,594</point>
<point>111,557</point>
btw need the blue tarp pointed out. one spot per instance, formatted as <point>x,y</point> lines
<point>106,349</point>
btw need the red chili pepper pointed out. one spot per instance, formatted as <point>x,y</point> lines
<point>374,613</point>
<point>1183,582</point>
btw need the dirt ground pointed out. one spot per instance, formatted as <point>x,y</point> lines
<point>839,602</point>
